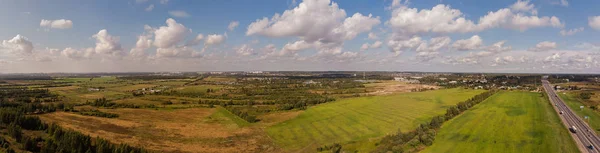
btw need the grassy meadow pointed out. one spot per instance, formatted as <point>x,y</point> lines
<point>355,119</point>
<point>506,122</point>
<point>574,103</point>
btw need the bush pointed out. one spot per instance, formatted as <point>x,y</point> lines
<point>167,103</point>
<point>586,95</point>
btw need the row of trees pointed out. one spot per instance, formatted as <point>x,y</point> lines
<point>425,133</point>
<point>98,113</point>
<point>103,102</point>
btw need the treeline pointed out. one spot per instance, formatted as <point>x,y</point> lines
<point>96,113</point>
<point>24,77</point>
<point>153,77</point>
<point>35,108</point>
<point>28,95</point>
<point>425,133</point>
<point>103,102</point>
<point>57,139</point>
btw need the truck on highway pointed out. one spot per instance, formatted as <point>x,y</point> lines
<point>573,129</point>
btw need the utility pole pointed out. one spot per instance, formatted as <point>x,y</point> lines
<point>364,75</point>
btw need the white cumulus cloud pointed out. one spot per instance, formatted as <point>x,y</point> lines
<point>571,31</point>
<point>468,44</point>
<point>197,40</point>
<point>245,50</point>
<point>214,39</point>
<point>524,6</point>
<point>107,44</point>
<point>317,23</point>
<point>373,36</point>
<point>444,19</point>
<point>57,24</point>
<point>232,25</point>
<point>142,44</point>
<point>17,45</point>
<point>375,45</point>
<point>170,35</point>
<point>594,22</point>
<point>543,46</point>
<point>177,52</point>
<point>78,54</point>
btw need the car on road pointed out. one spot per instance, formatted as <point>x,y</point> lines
<point>561,112</point>
<point>591,147</point>
<point>573,129</point>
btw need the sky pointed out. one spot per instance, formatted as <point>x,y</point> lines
<point>502,36</point>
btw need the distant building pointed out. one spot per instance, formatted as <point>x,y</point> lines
<point>443,79</point>
<point>413,81</point>
<point>452,82</point>
<point>399,79</point>
<point>310,82</point>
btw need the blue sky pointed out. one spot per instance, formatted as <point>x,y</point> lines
<point>73,40</point>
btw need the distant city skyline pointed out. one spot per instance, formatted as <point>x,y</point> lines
<point>506,36</point>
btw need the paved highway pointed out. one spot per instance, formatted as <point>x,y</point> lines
<point>586,139</point>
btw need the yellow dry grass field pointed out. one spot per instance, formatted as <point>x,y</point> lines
<point>180,130</point>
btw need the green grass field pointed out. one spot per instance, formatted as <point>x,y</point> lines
<point>574,103</point>
<point>506,122</point>
<point>357,119</point>
<point>225,117</point>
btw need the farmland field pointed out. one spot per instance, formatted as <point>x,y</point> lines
<point>505,122</point>
<point>365,117</point>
